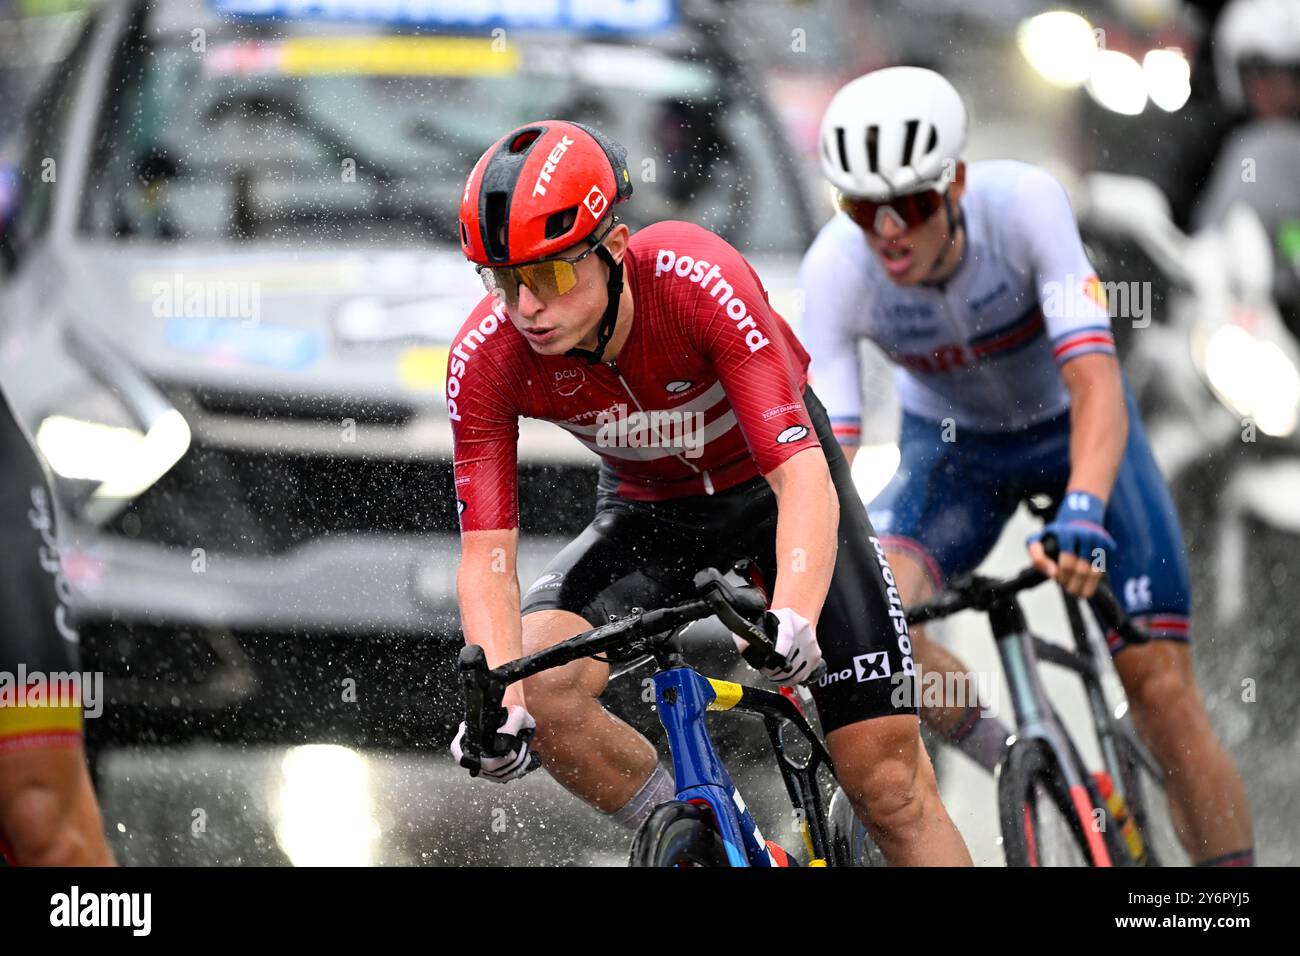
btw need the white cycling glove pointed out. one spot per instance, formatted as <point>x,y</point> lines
<point>795,642</point>
<point>518,760</point>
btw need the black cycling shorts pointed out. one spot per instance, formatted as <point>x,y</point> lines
<point>646,554</point>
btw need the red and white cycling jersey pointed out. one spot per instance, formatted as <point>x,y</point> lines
<point>707,391</point>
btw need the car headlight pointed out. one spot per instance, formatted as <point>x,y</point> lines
<point>125,462</point>
<point>1252,376</point>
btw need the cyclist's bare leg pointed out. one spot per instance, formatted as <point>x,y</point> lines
<point>1206,797</point>
<point>886,773</point>
<point>592,753</point>
<point>914,587</point>
<point>48,813</point>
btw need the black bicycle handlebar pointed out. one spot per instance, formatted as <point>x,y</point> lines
<point>978,593</point>
<point>740,607</point>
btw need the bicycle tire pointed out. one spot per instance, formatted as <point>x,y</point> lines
<point>678,834</point>
<point>1030,792</point>
<point>851,843</point>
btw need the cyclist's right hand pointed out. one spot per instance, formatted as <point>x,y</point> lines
<point>795,643</point>
<point>514,735</point>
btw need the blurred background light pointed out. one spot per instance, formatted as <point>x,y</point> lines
<point>325,808</point>
<point>1060,46</point>
<point>1255,377</point>
<point>1168,78</point>
<point>1117,83</point>
<point>873,466</point>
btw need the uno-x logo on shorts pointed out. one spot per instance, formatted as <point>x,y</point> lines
<point>871,666</point>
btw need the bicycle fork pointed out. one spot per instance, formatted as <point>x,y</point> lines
<point>682,697</point>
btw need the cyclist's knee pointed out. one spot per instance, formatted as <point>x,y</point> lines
<point>879,764</point>
<point>561,696</point>
<point>1158,681</point>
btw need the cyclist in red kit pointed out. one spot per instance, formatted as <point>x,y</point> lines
<point>660,353</point>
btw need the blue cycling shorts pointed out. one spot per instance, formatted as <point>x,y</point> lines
<point>949,501</point>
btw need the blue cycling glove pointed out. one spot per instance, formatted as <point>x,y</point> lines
<point>1079,527</point>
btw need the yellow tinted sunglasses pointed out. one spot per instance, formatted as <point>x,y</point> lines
<point>545,278</point>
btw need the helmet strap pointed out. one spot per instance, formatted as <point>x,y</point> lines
<point>605,331</point>
<point>956,222</point>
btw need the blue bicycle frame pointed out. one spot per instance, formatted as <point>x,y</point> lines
<point>683,696</point>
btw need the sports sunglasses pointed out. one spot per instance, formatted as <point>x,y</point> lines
<point>908,211</point>
<point>545,278</point>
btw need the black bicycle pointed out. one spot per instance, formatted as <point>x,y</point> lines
<point>709,823</point>
<point>1052,810</point>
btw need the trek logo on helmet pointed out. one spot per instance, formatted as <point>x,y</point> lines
<point>548,167</point>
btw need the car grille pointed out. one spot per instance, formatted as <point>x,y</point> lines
<point>275,406</point>
<point>261,503</point>
<point>166,685</point>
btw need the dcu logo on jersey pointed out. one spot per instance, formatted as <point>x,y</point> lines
<point>567,381</point>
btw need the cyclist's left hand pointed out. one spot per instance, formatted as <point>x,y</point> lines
<point>1085,545</point>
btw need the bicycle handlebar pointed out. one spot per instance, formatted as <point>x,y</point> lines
<point>740,607</point>
<point>978,593</point>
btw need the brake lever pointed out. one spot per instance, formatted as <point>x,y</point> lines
<point>1113,614</point>
<point>482,705</point>
<point>1103,600</point>
<point>1051,547</point>
<point>730,603</point>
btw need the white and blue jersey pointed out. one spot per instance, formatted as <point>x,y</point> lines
<point>984,351</point>
<point>983,348</point>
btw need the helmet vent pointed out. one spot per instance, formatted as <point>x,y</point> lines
<point>464,235</point>
<point>525,139</point>
<point>873,140</point>
<point>910,141</point>
<point>495,227</point>
<point>933,141</point>
<point>557,224</point>
<point>844,153</point>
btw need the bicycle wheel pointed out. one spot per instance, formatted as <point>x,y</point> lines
<point>1149,805</point>
<point>851,844</point>
<point>677,834</point>
<point>1040,826</point>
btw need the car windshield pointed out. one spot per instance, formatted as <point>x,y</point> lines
<point>302,137</point>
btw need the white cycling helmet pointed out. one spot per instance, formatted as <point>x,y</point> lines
<point>893,131</point>
<point>1266,31</point>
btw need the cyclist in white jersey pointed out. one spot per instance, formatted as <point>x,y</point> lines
<point>975,282</point>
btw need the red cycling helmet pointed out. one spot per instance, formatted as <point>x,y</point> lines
<point>539,190</point>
